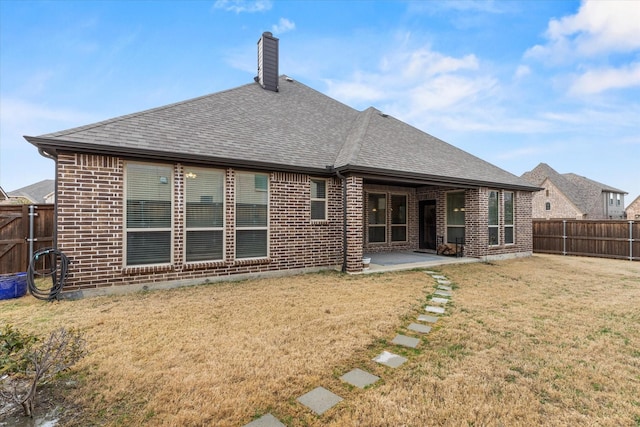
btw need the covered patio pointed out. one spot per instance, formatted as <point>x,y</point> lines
<point>407,260</point>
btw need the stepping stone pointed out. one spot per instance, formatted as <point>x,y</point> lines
<point>444,288</point>
<point>406,341</point>
<point>432,309</point>
<point>429,319</point>
<point>442,293</point>
<point>389,359</point>
<point>266,420</point>
<point>438,276</point>
<point>440,300</point>
<point>417,327</point>
<point>319,400</point>
<point>359,378</point>
<point>444,282</point>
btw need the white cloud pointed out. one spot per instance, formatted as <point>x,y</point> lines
<point>522,71</point>
<point>598,27</point>
<point>600,80</point>
<point>283,26</point>
<point>240,6</point>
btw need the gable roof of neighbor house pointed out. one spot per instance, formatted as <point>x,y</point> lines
<point>3,195</point>
<point>35,193</point>
<point>294,129</point>
<point>584,193</point>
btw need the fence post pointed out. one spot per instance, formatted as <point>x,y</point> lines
<point>630,240</point>
<point>564,237</point>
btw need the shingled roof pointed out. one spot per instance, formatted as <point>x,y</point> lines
<point>295,129</point>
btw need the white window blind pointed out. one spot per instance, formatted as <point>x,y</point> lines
<point>204,210</point>
<point>149,211</point>
<point>318,199</point>
<point>252,225</point>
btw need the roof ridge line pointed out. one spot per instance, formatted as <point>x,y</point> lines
<point>353,141</point>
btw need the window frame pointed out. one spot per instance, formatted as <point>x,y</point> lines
<point>221,229</point>
<point>463,209</point>
<point>512,226</point>
<point>377,225</point>
<point>171,229</point>
<point>404,225</point>
<point>319,199</point>
<point>547,206</point>
<point>266,228</point>
<point>494,226</point>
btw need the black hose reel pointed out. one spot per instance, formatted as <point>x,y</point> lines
<point>47,263</point>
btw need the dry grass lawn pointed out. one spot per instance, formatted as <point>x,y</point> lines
<point>545,340</point>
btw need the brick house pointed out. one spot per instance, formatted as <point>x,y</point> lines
<point>571,196</point>
<point>633,210</point>
<point>266,177</point>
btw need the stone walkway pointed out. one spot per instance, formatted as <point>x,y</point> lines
<point>319,400</point>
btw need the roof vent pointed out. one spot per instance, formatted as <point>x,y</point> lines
<point>268,62</point>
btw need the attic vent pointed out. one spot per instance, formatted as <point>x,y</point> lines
<point>268,62</point>
<point>289,79</point>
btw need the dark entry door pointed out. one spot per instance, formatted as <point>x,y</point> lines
<point>427,224</point>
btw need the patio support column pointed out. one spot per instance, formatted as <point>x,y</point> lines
<point>355,224</point>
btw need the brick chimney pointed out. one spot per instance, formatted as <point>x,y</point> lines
<point>268,62</point>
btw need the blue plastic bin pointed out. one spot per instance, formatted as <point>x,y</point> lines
<point>13,285</point>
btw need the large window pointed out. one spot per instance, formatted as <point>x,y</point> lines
<point>455,217</point>
<point>377,205</point>
<point>494,226</point>
<point>252,220</point>
<point>398,218</point>
<point>149,190</point>
<point>318,199</point>
<point>508,217</point>
<point>204,211</point>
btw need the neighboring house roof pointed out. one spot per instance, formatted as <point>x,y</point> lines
<point>294,129</point>
<point>3,195</point>
<point>584,193</point>
<point>35,193</point>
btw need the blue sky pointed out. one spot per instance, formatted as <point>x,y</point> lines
<point>515,83</point>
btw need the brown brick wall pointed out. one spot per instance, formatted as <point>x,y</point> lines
<point>91,227</point>
<point>561,207</point>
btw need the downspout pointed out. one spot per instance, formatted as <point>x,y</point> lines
<point>344,220</point>
<point>55,198</point>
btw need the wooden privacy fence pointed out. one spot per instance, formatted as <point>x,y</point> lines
<point>604,239</point>
<point>14,234</point>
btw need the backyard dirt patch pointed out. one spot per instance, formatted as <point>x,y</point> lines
<point>545,340</point>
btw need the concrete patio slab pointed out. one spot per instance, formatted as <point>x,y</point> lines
<point>417,327</point>
<point>440,300</point>
<point>266,420</point>
<point>389,359</point>
<point>442,293</point>
<point>428,319</point>
<point>319,400</point>
<point>444,288</point>
<point>359,378</point>
<point>432,309</point>
<point>406,341</point>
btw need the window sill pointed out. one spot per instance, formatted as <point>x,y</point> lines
<point>251,261</point>
<point>198,265</point>
<point>145,269</point>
